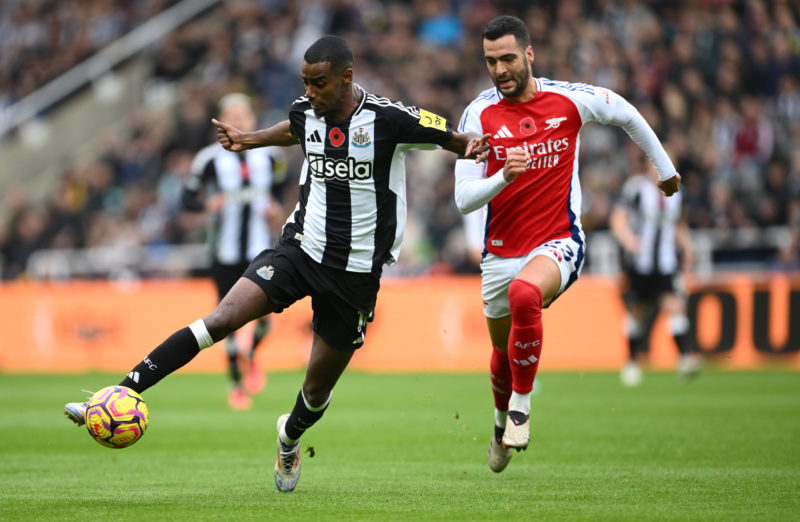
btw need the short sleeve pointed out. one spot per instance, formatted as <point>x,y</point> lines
<point>471,121</point>
<point>297,117</point>
<point>419,126</point>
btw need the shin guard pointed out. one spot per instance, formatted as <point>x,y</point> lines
<point>500,372</point>
<point>525,341</point>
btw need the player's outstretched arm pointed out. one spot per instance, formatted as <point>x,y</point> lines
<point>469,146</point>
<point>670,186</point>
<point>473,190</point>
<point>237,141</point>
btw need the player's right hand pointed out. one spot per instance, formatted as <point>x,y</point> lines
<point>229,136</point>
<point>670,186</point>
<point>516,163</point>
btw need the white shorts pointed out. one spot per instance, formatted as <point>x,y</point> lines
<point>498,272</point>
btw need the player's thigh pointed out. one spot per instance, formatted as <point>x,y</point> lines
<point>496,274</point>
<point>272,282</point>
<point>499,331</point>
<point>673,303</point>
<point>243,303</point>
<point>545,273</point>
<point>553,266</point>
<point>673,297</point>
<point>641,309</point>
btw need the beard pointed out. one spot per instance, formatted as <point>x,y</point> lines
<point>521,78</point>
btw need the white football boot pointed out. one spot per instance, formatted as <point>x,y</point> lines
<point>631,375</point>
<point>689,365</point>
<point>76,412</point>
<point>499,455</point>
<point>518,433</point>
<point>287,465</point>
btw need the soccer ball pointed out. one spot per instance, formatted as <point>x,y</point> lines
<point>116,416</point>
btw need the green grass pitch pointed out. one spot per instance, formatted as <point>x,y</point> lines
<point>413,447</point>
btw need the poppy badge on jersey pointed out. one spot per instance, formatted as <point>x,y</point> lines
<point>527,126</point>
<point>336,137</point>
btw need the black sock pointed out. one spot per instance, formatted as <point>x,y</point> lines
<point>259,332</point>
<point>634,347</point>
<point>683,342</point>
<point>301,418</point>
<point>498,433</point>
<point>236,375</point>
<point>177,350</point>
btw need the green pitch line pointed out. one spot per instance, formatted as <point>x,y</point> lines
<point>413,447</point>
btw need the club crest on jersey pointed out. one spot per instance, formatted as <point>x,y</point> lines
<point>554,123</point>
<point>266,272</point>
<point>361,138</point>
<point>336,137</point>
<point>527,126</point>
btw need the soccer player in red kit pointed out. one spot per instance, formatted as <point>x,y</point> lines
<point>533,242</point>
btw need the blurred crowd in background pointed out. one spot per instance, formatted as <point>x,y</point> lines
<point>718,80</point>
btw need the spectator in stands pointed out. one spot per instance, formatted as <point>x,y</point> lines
<point>723,76</point>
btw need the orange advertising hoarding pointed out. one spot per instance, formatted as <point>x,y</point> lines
<point>421,324</point>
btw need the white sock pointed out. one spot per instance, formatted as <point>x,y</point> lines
<point>520,402</point>
<point>315,408</point>
<point>200,332</point>
<point>285,438</point>
<point>500,418</point>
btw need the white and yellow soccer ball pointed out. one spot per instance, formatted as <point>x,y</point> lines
<point>116,416</point>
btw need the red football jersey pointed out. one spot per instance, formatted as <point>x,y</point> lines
<point>544,203</point>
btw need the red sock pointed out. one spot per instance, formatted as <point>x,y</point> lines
<point>501,378</point>
<point>525,341</point>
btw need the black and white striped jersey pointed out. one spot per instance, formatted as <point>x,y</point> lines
<point>239,231</point>
<point>654,219</point>
<point>351,212</point>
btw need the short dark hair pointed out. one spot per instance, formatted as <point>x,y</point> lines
<point>333,49</point>
<point>503,25</point>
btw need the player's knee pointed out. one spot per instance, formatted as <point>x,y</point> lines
<point>524,298</point>
<point>220,324</point>
<point>316,396</point>
<point>231,346</point>
<point>634,327</point>
<point>679,324</point>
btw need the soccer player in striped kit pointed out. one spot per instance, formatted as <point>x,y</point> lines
<point>654,236</point>
<point>348,223</point>
<point>534,243</point>
<point>236,191</point>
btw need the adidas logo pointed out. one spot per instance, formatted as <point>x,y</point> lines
<point>503,133</point>
<point>134,376</point>
<point>525,362</point>
<point>314,138</point>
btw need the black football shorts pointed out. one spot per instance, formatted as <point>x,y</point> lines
<point>648,288</point>
<point>343,302</point>
<point>225,276</point>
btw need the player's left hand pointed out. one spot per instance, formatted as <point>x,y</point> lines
<point>478,148</point>
<point>229,136</point>
<point>671,185</point>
